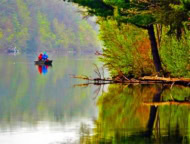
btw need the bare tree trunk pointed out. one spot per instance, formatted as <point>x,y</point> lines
<point>159,33</point>
<point>154,49</point>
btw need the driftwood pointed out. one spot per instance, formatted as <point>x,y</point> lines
<point>181,103</point>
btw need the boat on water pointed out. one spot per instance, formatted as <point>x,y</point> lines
<point>13,50</point>
<point>41,62</point>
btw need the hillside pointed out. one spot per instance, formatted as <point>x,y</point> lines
<point>45,25</point>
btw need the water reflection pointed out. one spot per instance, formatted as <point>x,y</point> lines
<point>43,69</point>
<point>131,114</point>
<point>36,106</point>
<point>48,107</point>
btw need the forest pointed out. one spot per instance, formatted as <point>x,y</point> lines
<point>45,25</point>
<point>143,37</point>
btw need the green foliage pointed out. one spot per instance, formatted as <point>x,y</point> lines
<point>45,25</point>
<point>126,49</point>
<point>141,19</point>
<point>45,35</point>
<point>119,50</point>
<point>94,7</point>
<point>62,35</point>
<point>172,13</point>
<point>86,36</point>
<point>176,56</point>
<point>23,12</point>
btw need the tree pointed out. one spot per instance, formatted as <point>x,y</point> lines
<point>126,49</point>
<point>141,13</point>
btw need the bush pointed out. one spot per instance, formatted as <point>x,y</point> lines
<point>126,49</point>
<point>175,56</point>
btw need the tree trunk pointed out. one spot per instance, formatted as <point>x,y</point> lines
<point>179,33</point>
<point>159,33</point>
<point>154,48</point>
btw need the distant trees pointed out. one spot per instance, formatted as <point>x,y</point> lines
<point>45,25</point>
<point>145,14</point>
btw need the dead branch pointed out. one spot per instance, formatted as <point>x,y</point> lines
<point>98,53</point>
<point>97,71</point>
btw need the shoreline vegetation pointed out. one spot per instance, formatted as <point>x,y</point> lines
<point>141,39</point>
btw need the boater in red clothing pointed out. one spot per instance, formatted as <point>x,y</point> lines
<point>40,57</point>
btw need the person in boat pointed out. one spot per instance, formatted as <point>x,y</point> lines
<point>40,56</point>
<point>45,57</point>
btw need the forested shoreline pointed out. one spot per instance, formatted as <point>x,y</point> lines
<point>45,25</point>
<point>143,37</point>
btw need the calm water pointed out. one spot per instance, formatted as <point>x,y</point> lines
<point>46,107</point>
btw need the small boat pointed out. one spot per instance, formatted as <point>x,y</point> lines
<point>13,50</point>
<point>41,62</point>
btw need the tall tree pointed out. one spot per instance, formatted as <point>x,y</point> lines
<point>141,13</point>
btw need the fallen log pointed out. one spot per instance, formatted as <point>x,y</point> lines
<point>182,103</point>
<point>164,79</point>
<point>183,81</point>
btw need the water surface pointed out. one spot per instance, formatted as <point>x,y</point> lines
<point>48,108</point>
<point>142,114</point>
<point>44,108</point>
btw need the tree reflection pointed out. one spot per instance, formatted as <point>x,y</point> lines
<point>124,118</point>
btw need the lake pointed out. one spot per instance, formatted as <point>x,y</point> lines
<point>51,108</point>
<point>44,108</point>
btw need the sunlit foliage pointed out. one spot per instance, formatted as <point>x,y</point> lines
<point>172,15</point>
<point>126,49</point>
<point>175,55</point>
